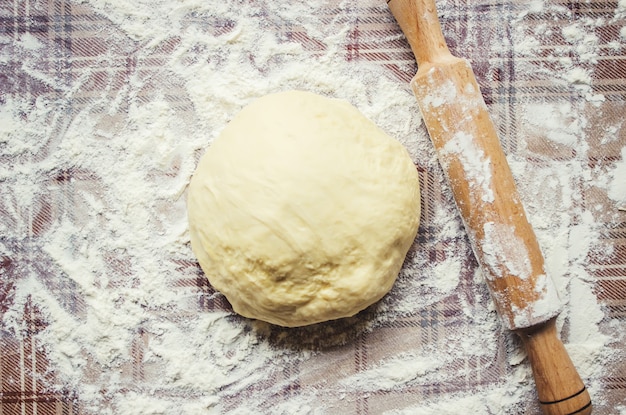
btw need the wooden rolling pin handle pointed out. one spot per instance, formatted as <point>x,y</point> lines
<point>420,23</point>
<point>559,387</point>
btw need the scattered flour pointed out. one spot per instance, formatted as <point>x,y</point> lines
<point>396,372</point>
<point>484,401</point>
<point>617,185</point>
<point>446,275</point>
<point>554,122</point>
<point>117,233</point>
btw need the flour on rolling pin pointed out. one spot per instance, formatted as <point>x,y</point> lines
<point>500,246</point>
<point>490,206</point>
<point>476,164</point>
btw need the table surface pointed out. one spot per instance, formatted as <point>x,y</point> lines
<point>97,279</point>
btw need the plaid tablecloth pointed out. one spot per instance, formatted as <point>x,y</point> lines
<point>518,51</point>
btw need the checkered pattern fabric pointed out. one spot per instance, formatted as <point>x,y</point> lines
<point>78,61</point>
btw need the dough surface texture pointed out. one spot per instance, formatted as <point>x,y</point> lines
<point>302,210</point>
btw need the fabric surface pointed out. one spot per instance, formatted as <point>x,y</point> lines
<point>85,52</point>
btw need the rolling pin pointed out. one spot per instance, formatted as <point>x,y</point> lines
<point>503,241</point>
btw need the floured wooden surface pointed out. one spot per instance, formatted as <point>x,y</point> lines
<point>106,107</point>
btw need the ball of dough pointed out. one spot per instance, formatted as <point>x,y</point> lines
<point>303,210</point>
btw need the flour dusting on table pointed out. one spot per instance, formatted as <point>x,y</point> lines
<point>94,178</point>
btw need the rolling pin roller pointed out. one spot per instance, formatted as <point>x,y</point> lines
<point>503,241</point>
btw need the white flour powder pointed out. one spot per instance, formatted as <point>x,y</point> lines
<point>230,54</point>
<point>617,183</point>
